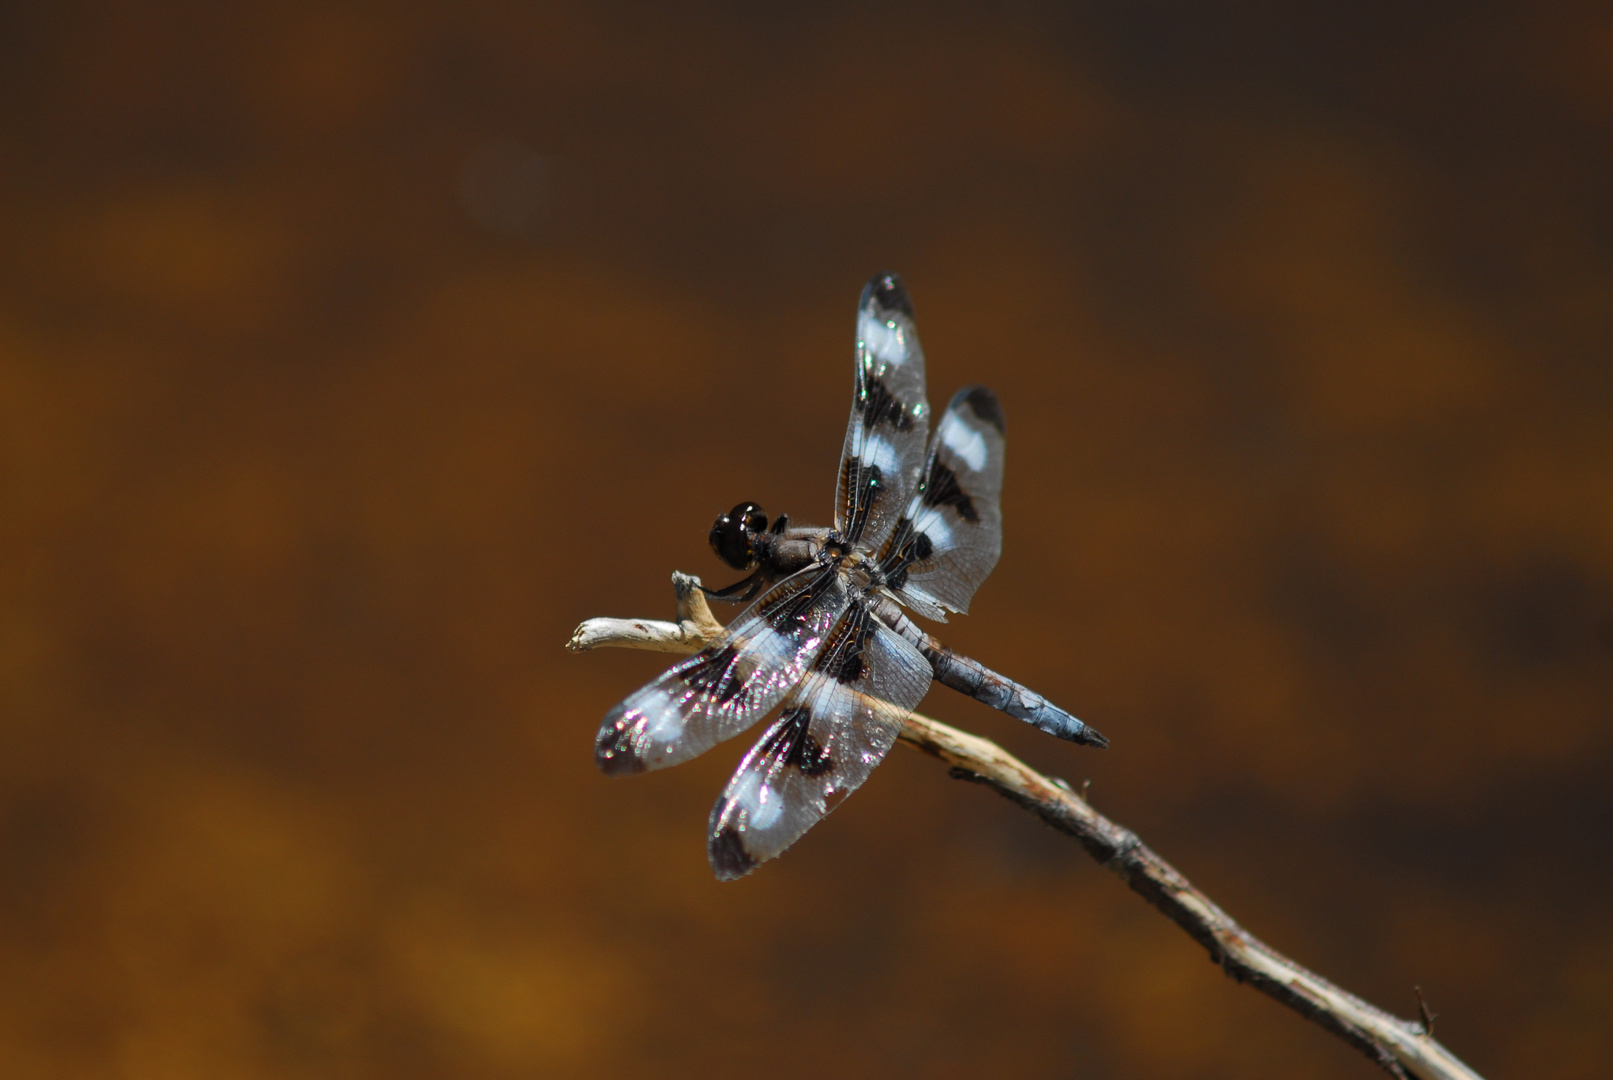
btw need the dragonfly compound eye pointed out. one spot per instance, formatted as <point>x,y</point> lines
<point>731,535</point>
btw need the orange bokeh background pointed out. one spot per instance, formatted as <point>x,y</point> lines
<point>351,354</point>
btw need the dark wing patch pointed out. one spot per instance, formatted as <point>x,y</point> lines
<point>890,293</point>
<point>844,655</point>
<point>790,740</point>
<point>984,404</point>
<point>835,727</point>
<point>950,537</point>
<point>941,489</point>
<point>711,674</point>
<point>878,406</point>
<point>890,417</point>
<point>907,546</point>
<point>725,688</point>
<point>726,850</point>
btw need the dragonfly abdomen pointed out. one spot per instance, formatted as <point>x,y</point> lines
<point>971,677</point>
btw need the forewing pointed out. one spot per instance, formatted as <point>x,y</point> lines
<point>890,417</point>
<point>951,534</point>
<point>726,687</point>
<point>834,728</point>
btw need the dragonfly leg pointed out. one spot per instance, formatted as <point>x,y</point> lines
<point>739,592</point>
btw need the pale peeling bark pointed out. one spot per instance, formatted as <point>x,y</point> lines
<point>1401,1047</point>
<point>695,628</point>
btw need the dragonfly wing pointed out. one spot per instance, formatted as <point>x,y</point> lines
<point>951,535</point>
<point>890,417</point>
<point>836,725</point>
<point>729,685</point>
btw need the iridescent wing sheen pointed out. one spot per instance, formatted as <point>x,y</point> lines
<point>836,725</point>
<point>729,685</point>
<point>890,417</point>
<point>951,534</point>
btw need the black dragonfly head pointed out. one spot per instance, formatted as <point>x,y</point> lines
<point>734,536</point>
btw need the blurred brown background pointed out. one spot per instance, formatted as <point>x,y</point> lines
<point>347,360</point>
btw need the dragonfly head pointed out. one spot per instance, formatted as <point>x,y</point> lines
<point>734,537</point>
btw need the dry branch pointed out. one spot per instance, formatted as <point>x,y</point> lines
<point>1401,1047</point>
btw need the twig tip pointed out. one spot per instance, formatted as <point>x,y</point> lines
<point>1423,1011</point>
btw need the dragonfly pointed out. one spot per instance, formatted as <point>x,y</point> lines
<point>917,525</point>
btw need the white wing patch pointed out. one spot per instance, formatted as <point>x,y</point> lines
<point>761,804</point>
<point>879,452</point>
<point>662,720</point>
<point>932,524</point>
<point>882,339</point>
<point>967,444</point>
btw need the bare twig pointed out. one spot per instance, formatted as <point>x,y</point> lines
<point>1401,1047</point>
<point>695,626</point>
